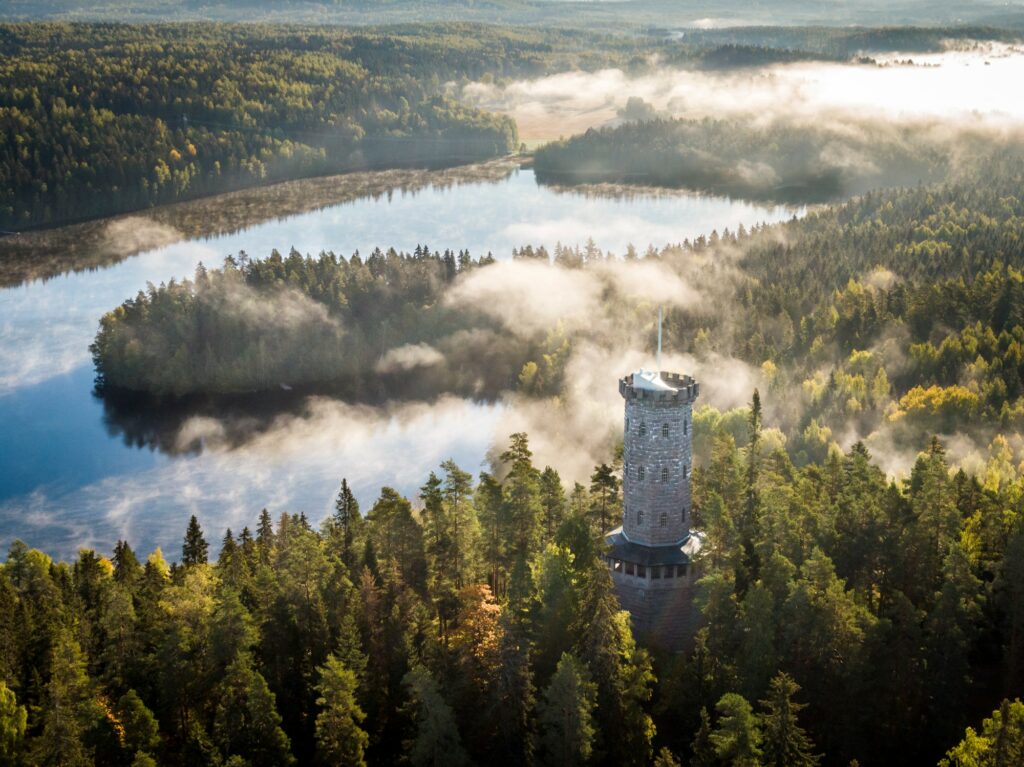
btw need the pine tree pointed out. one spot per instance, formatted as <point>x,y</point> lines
<point>604,490</point>
<point>398,537</point>
<point>521,508</point>
<point>195,550</point>
<point>736,738</point>
<point>566,714</point>
<point>785,742</point>
<point>246,722</point>
<point>464,526</point>
<point>340,740</point>
<point>552,499</point>
<point>437,742</point>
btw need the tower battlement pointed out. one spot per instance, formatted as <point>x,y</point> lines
<point>685,388</point>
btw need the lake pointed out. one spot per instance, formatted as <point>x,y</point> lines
<point>72,474</point>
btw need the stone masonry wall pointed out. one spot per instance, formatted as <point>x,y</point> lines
<point>657,462</point>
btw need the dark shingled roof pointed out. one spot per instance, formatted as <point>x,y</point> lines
<point>622,548</point>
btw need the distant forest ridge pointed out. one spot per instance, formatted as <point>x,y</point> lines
<point>98,119</point>
<point>590,14</point>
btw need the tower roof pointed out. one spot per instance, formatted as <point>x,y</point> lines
<point>651,380</point>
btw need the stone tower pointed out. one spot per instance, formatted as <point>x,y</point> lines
<point>651,554</point>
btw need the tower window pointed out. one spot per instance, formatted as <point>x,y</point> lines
<point>664,430</point>
<point>655,572</point>
<point>629,568</point>
<point>664,474</point>
<point>663,522</point>
<point>643,429</point>
<point>641,571</point>
<point>686,426</point>
<point>640,517</point>
<point>686,471</point>
<point>640,472</point>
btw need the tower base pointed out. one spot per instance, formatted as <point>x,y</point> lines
<point>657,586</point>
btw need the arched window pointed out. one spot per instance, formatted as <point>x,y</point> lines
<point>663,521</point>
<point>664,429</point>
<point>643,429</point>
<point>686,426</point>
<point>686,471</point>
<point>664,474</point>
<point>640,517</point>
<point>640,472</point>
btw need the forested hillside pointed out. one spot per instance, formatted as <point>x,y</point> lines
<point>257,324</point>
<point>786,160</point>
<point>844,614</point>
<point>97,119</point>
<point>898,313</point>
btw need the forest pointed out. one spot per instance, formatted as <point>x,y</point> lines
<point>787,160</point>
<point>854,335</point>
<point>97,119</point>
<point>346,322</point>
<point>844,613</point>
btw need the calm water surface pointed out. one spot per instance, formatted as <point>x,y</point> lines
<point>70,477</point>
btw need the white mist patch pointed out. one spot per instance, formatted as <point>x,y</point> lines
<point>133,234</point>
<point>965,86</point>
<point>408,357</point>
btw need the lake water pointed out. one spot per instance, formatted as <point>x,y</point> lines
<point>71,475</point>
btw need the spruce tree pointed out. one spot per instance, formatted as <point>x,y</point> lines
<point>566,714</point>
<point>346,525</point>
<point>246,722</point>
<point>736,737</point>
<point>195,550</point>
<point>127,569</point>
<point>786,744</point>
<point>515,698</point>
<point>436,742</point>
<point>703,749</point>
<point>141,732</point>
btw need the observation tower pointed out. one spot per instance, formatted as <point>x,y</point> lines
<point>651,554</point>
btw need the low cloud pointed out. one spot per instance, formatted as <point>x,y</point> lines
<point>408,357</point>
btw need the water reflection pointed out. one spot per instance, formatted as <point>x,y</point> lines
<point>293,465</point>
<point>74,471</point>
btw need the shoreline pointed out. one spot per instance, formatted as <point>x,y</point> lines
<point>41,254</point>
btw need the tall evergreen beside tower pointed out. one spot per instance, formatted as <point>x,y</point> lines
<point>651,554</point>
